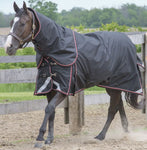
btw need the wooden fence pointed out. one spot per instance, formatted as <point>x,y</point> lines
<point>73,105</point>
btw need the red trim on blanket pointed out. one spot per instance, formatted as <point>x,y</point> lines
<point>119,89</point>
<point>71,69</point>
<point>37,20</point>
<point>40,63</point>
<point>70,80</point>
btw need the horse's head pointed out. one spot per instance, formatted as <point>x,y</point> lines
<point>22,29</point>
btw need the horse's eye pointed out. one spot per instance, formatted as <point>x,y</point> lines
<point>22,24</point>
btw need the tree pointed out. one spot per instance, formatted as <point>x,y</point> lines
<point>49,9</point>
<point>5,19</point>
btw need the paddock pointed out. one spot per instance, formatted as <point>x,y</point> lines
<point>18,134</point>
<point>16,131</point>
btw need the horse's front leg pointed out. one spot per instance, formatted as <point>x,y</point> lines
<point>49,111</point>
<point>50,136</point>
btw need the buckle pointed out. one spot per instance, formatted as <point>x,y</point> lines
<point>53,63</point>
<point>53,74</point>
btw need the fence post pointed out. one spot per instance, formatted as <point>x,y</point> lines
<point>143,77</point>
<point>66,112</point>
<point>76,113</point>
<point>145,58</point>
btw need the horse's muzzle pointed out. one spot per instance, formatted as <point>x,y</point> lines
<point>10,50</point>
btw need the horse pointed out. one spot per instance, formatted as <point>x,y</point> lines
<point>80,61</point>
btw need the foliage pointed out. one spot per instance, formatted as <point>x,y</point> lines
<point>114,27</point>
<point>26,51</point>
<point>128,14</point>
<point>49,9</point>
<point>5,19</point>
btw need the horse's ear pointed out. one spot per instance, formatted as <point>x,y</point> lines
<point>16,8</point>
<point>25,7</point>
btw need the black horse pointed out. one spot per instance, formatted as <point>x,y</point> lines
<point>69,62</point>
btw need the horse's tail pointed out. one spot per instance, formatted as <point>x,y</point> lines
<point>132,100</point>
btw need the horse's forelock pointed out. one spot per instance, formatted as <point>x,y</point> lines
<point>20,13</point>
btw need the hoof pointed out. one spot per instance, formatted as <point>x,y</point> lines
<point>48,141</point>
<point>100,137</point>
<point>126,130</point>
<point>38,139</point>
<point>39,144</point>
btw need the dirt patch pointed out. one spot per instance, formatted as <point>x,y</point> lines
<point>18,131</point>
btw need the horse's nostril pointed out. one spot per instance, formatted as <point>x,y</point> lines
<point>10,45</point>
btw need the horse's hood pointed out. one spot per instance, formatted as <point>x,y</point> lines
<point>54,41</point>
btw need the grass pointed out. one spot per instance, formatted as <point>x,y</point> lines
<point>24,91</point>
<point>25,51</point>
<point>18,96</point>
<point>17,87</point>
<point>94,90</point>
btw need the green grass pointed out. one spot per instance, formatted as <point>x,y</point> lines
<point>18,96</point>
<point>17,87</point>
<point>24,91</point>
<point>94,90</point>
<point>25,51</point>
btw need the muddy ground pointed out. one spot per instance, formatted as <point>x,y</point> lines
<point>18,131</point>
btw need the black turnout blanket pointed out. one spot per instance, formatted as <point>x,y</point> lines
<point>69,61</point>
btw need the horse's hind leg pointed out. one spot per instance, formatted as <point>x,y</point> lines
<point>115,96</point>
<point>123,117</point>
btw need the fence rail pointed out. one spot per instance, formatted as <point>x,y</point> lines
<point>24,75</point>
<point>76,113</point>
<point>17,59</point>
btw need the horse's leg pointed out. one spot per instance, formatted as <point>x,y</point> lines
<point>50,136</point>
<point>123,117</point>
<point>115,96</point>
<point>49,111</point>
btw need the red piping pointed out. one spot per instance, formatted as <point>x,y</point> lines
<point>39,24</point>
<point>119,89</point>
<point>40,62</point>
<point>70,79</point>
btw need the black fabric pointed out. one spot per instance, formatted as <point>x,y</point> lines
<point>73,61</point>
